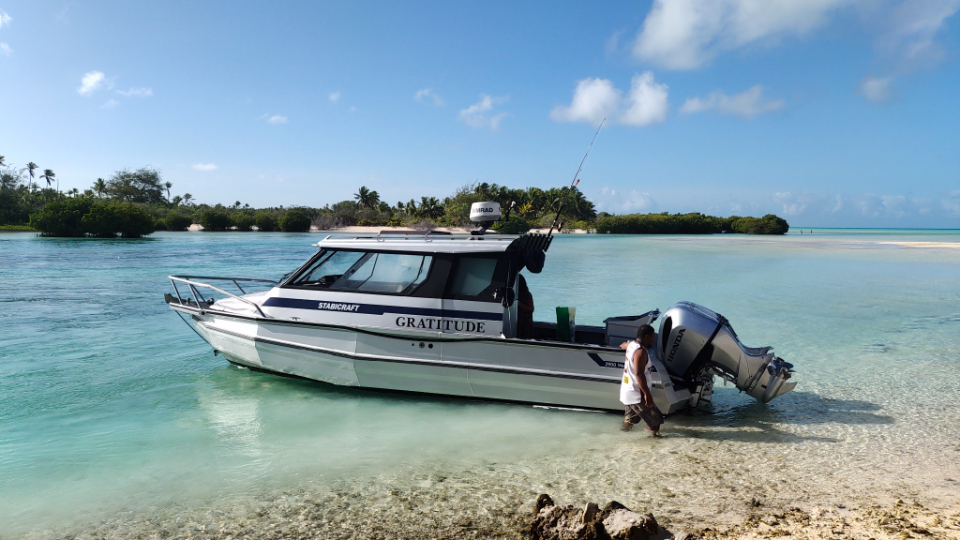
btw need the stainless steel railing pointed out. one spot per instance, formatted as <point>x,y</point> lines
<point>190,282</point>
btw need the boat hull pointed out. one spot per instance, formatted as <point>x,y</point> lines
<point>493,369</point>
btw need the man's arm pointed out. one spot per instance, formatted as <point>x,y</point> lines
<point>639,366</point>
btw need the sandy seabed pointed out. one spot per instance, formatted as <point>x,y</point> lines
<point>712,488</point>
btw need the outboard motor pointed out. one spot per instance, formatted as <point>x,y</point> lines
<point>695,344</point>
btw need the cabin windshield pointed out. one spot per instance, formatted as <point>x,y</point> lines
<point>358,271</point>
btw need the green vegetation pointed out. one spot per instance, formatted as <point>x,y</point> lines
<point>695,223</point>
<point>215,220</point>
<point>294,221</point>
<point>176,221</point>
<point>85,217</point>
<point>134,203</point>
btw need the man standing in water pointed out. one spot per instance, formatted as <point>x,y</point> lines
<point>634,391</point>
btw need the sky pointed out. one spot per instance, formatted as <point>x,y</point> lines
<point>830,113</point>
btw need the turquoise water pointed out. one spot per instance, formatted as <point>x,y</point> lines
<point>110,404</point>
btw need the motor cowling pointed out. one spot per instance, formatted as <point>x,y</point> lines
<point>694,341</point>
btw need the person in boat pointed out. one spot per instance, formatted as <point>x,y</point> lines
<point>524,310</point>
<point>634,392</point>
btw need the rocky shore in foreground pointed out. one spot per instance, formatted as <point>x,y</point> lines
<point>415,515</point>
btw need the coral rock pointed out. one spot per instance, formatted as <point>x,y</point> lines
<point>615,522</point>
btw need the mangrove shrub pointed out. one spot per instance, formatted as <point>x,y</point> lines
<point>768,224</point>
<point>214,220</point>
<point>294,221</point>
<point>242,221</point>
<point>264,221</point>
<point>62,218</point>
<point>109,220</point>
<point>694,223</point>
<point>82,216</point>
<point>176,221</point>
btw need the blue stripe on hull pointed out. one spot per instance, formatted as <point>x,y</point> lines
<point>375,309</point>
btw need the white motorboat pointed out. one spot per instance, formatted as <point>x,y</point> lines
<point>437,313</point>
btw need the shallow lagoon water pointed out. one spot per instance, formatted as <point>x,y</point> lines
<point>110,405</point>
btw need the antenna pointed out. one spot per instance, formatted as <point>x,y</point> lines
<point>575,181</point>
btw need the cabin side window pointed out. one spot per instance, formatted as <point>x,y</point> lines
<point>477,278</point>
<point>358,271</point>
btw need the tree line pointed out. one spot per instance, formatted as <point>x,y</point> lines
<point>133,203</point>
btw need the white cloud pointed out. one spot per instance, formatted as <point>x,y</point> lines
<point>648,101</point>
<point>612,46</point>
<point>4,18</point>
<point>276,119</point>
<point>136,92</point>
<point>877,89</point>
<point>93,81</point>
<point>910,29</point>
<point>205,167</point>
<point>429,93</point>
<point>746,104</point>
<point>5,49</point>
<point>685,34</point>
<point>334,97</point>
<point>110,103</point>
<point>595,99</point>
<point>951,203</point>
<point>477,115</point>
<point>858,206</point>
<point>619,202</point>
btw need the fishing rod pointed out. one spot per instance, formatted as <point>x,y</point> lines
<point>575,181</point>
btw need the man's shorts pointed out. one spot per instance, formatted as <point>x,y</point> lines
<point>632,414</point>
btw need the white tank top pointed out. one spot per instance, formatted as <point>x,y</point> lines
<point>630,385</point>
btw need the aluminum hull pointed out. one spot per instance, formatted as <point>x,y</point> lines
<point>493,369</point>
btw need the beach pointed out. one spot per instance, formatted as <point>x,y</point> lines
<point>118,422</point>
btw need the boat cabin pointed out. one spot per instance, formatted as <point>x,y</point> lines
<point>427,283</point>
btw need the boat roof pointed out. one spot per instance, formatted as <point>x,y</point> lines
<point>419,242</point>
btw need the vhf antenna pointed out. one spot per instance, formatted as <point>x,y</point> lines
<point>575,181</point>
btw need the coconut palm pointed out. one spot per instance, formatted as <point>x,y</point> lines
<point>168,185</point>
<point>73,192</point>
<point>367,198</point>
<point>177,200</point>
<point>186,198</point>
<point>3,161</point>
<point>30,168</point>
<point>100,187</point>
<point>50,176</point>
<point>430,208</point>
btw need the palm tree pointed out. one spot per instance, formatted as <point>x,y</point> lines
<point>177,200</point>
<point>366,198</point>
<point>50,176</point>
<point>73,192</point>
<point>168,185</point>
<point>100,187</point>
<point>186,198</point>
<point>430,207</point>
<point>3,161</point>
<point>30,168</point>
